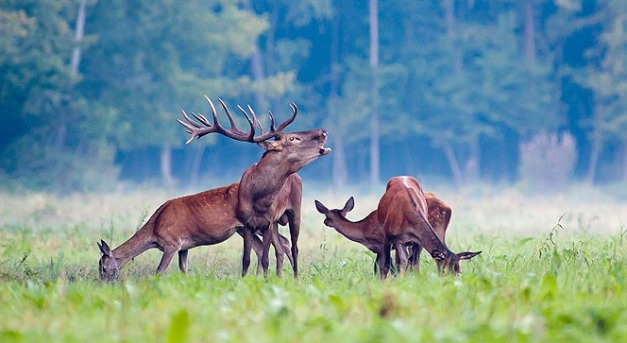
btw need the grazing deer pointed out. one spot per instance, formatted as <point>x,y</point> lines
<point>439,216</point>
<point>261,183</point>
<point>183,223</point>
<point>369,232</point>
<point>402,212</point>
<point>397,224</point>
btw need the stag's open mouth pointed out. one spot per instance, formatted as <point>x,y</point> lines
<point>324,151</point>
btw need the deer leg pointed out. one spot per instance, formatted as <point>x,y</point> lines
<point>286,248</point>
<point>294,221</point>
<point>256,246</point>
<point>247,234</point>
<point>414,258</point>
<point>401,258</point>
<point>377,264</point>
<point>168,253</point>
<point>183,261</point>
<point>267,239</point>
<point>385,263</point>
<point>278,248</point>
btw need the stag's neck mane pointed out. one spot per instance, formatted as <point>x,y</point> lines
<point>260,185</point>
<point>266,177</point>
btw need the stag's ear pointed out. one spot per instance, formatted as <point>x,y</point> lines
<point>350,204</point>
<point>467,255</point>
<point>104,248</point>
<point>320,207</point>
<point>270,145</point>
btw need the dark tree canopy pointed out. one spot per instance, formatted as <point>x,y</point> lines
<point>462,91</point>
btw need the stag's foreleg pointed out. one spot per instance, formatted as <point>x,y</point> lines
<point>247,234</point>
<point>293,218</point>
<point>267,233</point>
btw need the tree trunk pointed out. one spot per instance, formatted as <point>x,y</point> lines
<point>374,93</point>
<point>453,164</point>
<point>530,45</point>
<point>194,173</point>
<point>471,169</point>
<point>80,33</point>
<point>340,170</point>
<point>625,161</point>
<point>166,165</point>
<point>594,158</point>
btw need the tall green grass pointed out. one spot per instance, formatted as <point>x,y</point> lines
<point>552,269</point>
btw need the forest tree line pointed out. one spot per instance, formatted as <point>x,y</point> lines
<point>531,91</point>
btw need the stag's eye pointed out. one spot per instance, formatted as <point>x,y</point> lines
<point>294,138</point>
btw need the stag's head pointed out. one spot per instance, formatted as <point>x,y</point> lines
<point>334,218</point>
<point>297,149</point>
<point>448,262</point>
<point>108,266</point>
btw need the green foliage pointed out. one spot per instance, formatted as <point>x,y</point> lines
<point>573,291</point>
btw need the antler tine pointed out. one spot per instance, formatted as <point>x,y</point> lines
<point>201,119</point>
<point>228,114</point>
<point>191,127</point>
<point>251,122</point>
<point>272,128</point>
<point>275,132</point>
<point>189,120</point>
<point>284,124</point>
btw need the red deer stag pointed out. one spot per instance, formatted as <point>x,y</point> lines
<point>180,224</point>
<point>369,232</point>
<point>261,183</point>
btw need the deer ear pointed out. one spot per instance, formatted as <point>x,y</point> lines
<point>350,204</point>
<point>467,255</point>
<point>270,145</point>
<point>320,207</point>
<point>104,248</point>
<point>438,255</point>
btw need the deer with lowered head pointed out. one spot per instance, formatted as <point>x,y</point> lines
<point>261,184</point>
<point>400,221</point>
<point>183,223</point>
<point>369,232</point>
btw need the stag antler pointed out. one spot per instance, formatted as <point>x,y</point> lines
<point>198,130</point>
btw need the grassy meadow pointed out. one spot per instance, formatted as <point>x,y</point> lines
<point>552,269</point>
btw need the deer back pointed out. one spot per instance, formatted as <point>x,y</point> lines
<point>439,214</point>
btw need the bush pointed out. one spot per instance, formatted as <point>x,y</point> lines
<point>547,161</point>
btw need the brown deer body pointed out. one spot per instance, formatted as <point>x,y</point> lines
<point>370,233</point>
<point>183,223</point>
<point>439,216</point>
<point>261,183</point>
<point>402,212</point>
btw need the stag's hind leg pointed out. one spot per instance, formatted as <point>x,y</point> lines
<point>278,248</point>
<point>267,234</point>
